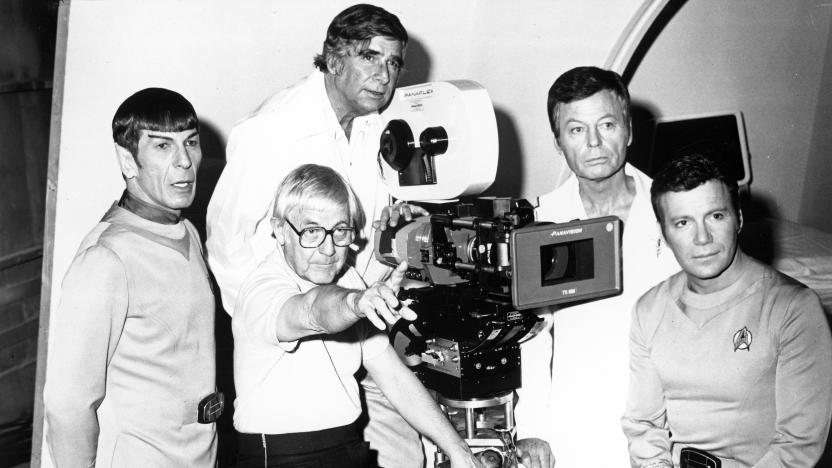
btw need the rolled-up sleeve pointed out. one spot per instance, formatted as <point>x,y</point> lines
<point>84,333</point>
<point>261,298</point>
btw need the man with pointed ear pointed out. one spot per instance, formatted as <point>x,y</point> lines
<point>729,358</point>
<point>130,377</point>
<point>589,114</point>
<point>329,118</point>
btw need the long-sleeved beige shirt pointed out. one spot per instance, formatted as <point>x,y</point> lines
<point>131,349</point>
<point>744,373</point>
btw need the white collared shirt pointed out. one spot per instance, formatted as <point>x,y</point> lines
<point>297,386</point>
<point>590,370</point>
<point>293,127</point>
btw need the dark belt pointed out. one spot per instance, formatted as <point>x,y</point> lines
<point>294,443</point>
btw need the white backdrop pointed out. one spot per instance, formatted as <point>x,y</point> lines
<point>226,56</point>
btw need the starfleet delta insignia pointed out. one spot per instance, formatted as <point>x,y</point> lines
<point>742,339</point>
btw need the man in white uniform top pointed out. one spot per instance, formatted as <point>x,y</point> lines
<point>589,112</point>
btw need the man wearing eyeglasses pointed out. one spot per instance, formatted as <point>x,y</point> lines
<point>299,338</point>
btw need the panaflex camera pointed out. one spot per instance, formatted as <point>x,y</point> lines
<point>487,263</point>
<point>484,264</point>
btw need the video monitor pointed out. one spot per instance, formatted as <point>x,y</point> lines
<point>567,262</point>
<point>717,135</point>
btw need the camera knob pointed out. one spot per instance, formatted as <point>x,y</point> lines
<point>434,140</point>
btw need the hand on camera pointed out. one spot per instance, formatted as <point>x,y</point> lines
<point>535,453</point>
<point>465,459</point>
<point>390,215</point>
<point>379,302</point>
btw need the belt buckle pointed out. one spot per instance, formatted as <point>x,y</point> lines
<point>210,408</point>
<point>694,458</point>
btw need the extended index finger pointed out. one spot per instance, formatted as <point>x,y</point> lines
<point>396,278</point>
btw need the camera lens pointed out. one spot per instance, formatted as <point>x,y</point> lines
<point>569,261</point>
<point>554,262</point>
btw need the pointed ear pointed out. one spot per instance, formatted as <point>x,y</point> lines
<point>129,168</point>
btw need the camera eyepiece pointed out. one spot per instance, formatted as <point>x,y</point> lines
<point>434,141</point>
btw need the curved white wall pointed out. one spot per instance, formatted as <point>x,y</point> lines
<point>767,58</point>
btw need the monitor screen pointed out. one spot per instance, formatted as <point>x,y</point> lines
<point>720,136</point>
<point>569,261</point>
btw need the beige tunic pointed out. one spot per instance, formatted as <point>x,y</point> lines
<point>132,349</point>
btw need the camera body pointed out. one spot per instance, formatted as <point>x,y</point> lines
<point>484,265</point>
<point>481,266</point>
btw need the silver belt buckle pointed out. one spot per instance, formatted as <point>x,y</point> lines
<point>695,458</point>
<point>210,408</point>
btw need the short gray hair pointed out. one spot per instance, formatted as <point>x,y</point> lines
<point>311,185</point>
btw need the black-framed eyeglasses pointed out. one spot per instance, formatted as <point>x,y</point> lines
<point>312,237</point>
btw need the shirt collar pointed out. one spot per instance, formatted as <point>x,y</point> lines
<point>147,211</point>
<point>330,124</point>
<point>150,230</point>
<point>642,185</point>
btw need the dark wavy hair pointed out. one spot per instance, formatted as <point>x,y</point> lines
<point>581,83</point>
<point>686,173</point>
<point>358,24</point>
<point>155,109</point>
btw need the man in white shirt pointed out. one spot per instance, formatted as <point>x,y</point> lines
<point>589,112</point>
<point>329,118</point>
<point>300,337</point>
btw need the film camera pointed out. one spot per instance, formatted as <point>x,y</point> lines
<point>484,264</point>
